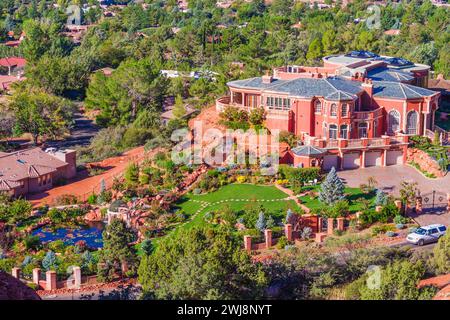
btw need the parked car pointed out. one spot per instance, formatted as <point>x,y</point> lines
<point>427,234</point>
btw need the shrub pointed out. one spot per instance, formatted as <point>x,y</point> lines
<point>306,233</point>
<point>400,226</point>
<point>32,242</point>
<point>66,199</point>
<point>399,219</point>
<point>92,199</point>
<point>282,242</point>
<point>241,179</point>
<point>390,234</point>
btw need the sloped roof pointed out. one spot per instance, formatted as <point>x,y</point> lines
<point>30,163</point>
<point>307,151</point>
<point>304,87</point>
<point>398,90</point>
<point>386,74</point>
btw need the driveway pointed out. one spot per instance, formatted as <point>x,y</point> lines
<point>389,178</point>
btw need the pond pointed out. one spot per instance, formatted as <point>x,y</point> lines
<point>90,233</point>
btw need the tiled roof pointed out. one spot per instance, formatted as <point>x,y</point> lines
<point>387,74</point>
<point>398,90</point>
<point>30,163</point>
<point>304,87</point>
<point>307,151</point>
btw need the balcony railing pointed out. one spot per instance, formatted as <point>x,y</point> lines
<point>366,115</point>
<point>222,102</point>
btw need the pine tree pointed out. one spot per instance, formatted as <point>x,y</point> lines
<point>147,246</point>
<point>332,189</point>
<point>380,199</point>
<point>289,215</point>
<point>179,111</point>
<point>102,186</point>
<point>270,222</point>
<point>49,261</point>
<point>261,222</point>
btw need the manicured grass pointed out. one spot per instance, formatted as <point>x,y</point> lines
<point>353,194</point>
<point>245,195</point>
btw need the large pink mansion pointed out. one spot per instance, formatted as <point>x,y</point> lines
<point>356,111</point>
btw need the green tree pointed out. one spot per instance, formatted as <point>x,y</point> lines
<point>315,51</point>
<point>49,262</point>
<point>442,254</point>
<point>332,189</point>
<point>132,174</point>
<point>210,265</point>
<point>39,113</point>
<point>179,111</point>
<point>117,251</point>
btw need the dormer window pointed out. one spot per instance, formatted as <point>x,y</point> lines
<point>333,110</point>
<point>318,106</point>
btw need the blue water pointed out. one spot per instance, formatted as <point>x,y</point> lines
<point>91,234</point>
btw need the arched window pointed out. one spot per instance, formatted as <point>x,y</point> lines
<point>333,131</point>
<point>411,123</point>
<point>344,110</point>
<point>318,106</point>
<point>343,134</point>
<point>393,121</point>
<point>333,110</point>
<point>362,130</point>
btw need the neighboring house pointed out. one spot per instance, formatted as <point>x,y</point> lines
<point>33,170</point>
<point>15,65</point>
<point>441,85</point>
<point>356,111</point>
<point>6,81</point>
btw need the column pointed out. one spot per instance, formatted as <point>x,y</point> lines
<point>288,231</point>
<point>268,236</point>
<point>319,224</point>
<point>340,224</point>
<point>36,275</point>
<point>383,158</point>
<point>362,159</point>
<point>50,280</point>
<point>330,226</point>
<point>419,205</point>
<point>77,277</point>
<point>398,204</point>
<point>425,122</point>
<point>248,243</point>
<point>15,272</point>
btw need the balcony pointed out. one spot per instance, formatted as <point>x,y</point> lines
<point>368,115</point>
<point>222,102</point>
<point>364,143</point>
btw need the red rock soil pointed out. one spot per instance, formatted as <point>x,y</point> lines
<point>14,289</point>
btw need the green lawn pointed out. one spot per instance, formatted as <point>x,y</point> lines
<point>244,194</point>
<point>353,194</point>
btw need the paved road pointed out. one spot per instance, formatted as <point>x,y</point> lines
<point>81,134</point>
<point>390,178</point>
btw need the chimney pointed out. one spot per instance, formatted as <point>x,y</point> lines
<point>367,96</point>
<point>267,78</point>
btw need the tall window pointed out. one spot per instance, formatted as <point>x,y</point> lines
<point>333,131</point>
<point>333,110</point>
<point>344,110</point>
<point>393,121</point>
<point>278,103</point>
<point>343,134</point>
<point>411,123</point>
<point>318,106</point>
<point>362,130</point>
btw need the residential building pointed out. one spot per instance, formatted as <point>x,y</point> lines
<point>357,110</point>
<point>33,170</point>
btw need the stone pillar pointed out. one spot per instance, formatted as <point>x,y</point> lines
<point>340,224</point>
<point>319,224</point>
<point>36,275</point>
<point>330,226</point>
<point>378,208</point>
<point>384,158</point>
<point>320,236</point>
<point>248,243</point>
<point>50,280</point>
<point>77,276</point>
<point>419,205</point>
<point>362,159</point>
<point>288,231</point>
<point>15,272</point>
<point>398,204</point>
<point>268,237</point>
<point>448,201</point>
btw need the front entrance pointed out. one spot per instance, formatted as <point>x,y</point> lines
<point>435,202</point>
<point>350,160</point>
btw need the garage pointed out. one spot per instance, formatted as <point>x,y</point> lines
<point>351,160</point>
<point>330,161</point>
<point>373,158</point>
<point>394,157</point>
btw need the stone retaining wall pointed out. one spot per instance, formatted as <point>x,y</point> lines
<point>424,160</point>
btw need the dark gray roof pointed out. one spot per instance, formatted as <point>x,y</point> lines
<point>334,88</point>
<point>387,74</point>
<point>399,90</point>
<point>307,151</point>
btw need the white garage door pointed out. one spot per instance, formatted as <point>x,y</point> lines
<point>329,162</point>
<point>351,160</point>
<point>394,157</point>
<point>373,158</point>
